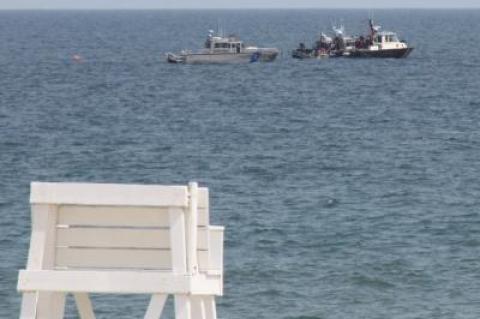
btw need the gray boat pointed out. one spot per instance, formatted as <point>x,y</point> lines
<point>221,49</point>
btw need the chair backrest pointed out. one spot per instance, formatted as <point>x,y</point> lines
<point>114,226</point>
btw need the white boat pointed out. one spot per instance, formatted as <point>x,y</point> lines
<point>381,44</point>
<point>221,49</point>
<point>378,44</point>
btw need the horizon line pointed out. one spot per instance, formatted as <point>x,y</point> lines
<point>240,8</point>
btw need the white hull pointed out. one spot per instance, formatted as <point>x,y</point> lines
<point>224,58</point>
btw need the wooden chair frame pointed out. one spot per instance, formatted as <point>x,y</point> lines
<point>56,266</point>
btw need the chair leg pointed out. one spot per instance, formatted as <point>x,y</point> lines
<point>210,307</point>
<point>155,308</point>
<point>198,307</point>
<point>183,307</point>
<point>50,305</point>
<point>29,305</point>
<point>84,306</point>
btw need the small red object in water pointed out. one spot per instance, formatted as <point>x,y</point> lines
<point>77,58</point>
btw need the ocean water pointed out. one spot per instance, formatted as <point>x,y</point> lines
<point>348,188</point>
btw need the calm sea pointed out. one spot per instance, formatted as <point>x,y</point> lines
<point>349,188</point>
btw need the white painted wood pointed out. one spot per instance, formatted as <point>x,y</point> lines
<point>203,217</point>
<point>210,307</point>
<point>108,238</point>
<point>203,198</point>
<point>113,237</point>
<point>135,282</point>
<point>183,307</point>
<point>76,215</point>
<point>121,237</point>
<point>41,256</point>
<point>203,206</point>
<point>203,238</point>
<point>203,259</point>
<point>178,241</point>
<point>155,307</point>
<point>192,237</point>
<point>198,307</point>
<point>84,306</point>
<point>50,305</point>
<point>108,194</point>
<point>216,248</point>
<point>206,285</point>
<point>113,258</point>
<point>42,241</point>
<point>28,308</point>
<point>58,305</point>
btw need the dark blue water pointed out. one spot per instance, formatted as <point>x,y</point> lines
<point>349,188</point>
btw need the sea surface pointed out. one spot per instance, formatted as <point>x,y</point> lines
<point>348,188</point>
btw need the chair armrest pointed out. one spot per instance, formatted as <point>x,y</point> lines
<point>114,281</point>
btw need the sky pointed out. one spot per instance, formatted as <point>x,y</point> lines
<point>222,4</point>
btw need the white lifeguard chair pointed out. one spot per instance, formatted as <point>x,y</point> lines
<point>114,238</point>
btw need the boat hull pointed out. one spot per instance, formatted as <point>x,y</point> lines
<point>386,53</point>
<point>223,58</point>
<point>301,55</point>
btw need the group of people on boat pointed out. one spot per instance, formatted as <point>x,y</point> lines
<point>375,44</point>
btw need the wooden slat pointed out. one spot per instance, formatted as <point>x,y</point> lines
<point>108,194</point>
<point>216,247</point>
<point>203,260</point>
<point>113,216</point>
<point>113,238</point>
<point>203,217</point>
<point>202,243</point>
<point>120,237</point>
<point>178,240</point>
<point>112,258</point>
<point>203,206</point>
<point>203,198</point>
<point>192,229</point>
<point>77,215</point>
<point>135,282</point>
<point>104,281</point>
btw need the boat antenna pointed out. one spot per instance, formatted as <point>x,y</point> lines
<point>220,30</point>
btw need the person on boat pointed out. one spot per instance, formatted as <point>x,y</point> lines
<point>360,43</point>
<point>368,41</point>
<point>339,43</point>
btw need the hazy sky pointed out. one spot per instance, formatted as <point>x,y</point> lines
<point>142,4</point>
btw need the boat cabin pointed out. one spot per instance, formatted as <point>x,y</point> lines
<point>387,40</point>
<point>230,44</point>
<point>386,37</point>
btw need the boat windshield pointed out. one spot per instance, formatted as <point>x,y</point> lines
<point>390,37</point>
<point>236,46</point>
<point>222,45</point>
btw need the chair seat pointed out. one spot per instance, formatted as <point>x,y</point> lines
<point>137,282</point>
